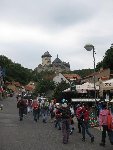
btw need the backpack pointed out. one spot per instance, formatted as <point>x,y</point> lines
<point>110,127</point>
<point>110,121</point>
<point>21,104</point>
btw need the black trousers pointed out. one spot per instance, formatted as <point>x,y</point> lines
<point>36,114</point>
<point>79,125</point>
<point>105,129</point>
<point>21,112</point>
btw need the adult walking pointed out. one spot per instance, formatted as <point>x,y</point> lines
<point>58,117</point>
<point>65,115</point>
<point>44,109</point>
<point>22,106</point>
<point>103,123</point>
<point>85,125</point>
<point>36,110</point>
<point>78,114</point>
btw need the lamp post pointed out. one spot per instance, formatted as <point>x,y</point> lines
<point>90,47</point>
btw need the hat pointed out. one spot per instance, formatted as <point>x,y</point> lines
<point>63,100</point>
<point>64,105</point>
<point>57,104</point>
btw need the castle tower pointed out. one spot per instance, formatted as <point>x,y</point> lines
<point>46,59</point>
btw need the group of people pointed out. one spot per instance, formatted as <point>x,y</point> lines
<point>105,122</point>
<point>38,108</point>
<point>64,115</point>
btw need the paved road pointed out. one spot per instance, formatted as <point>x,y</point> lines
<point>28,135</point>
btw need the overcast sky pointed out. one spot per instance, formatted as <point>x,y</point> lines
<point>28,28</point>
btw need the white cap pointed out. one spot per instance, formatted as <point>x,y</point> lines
<point>64,105</point>
<point>57,104</point>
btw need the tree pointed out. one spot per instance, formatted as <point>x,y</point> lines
<point>14,71</point>
<point>43,86</point>
<point>99,65</point>
<point>107,61</point>
<point>59,88</point>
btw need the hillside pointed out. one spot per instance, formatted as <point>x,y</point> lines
<point>14,71</point>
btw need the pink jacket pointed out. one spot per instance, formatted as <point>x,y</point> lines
<point>103,117</point>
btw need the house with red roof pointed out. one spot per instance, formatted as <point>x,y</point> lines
<point>103,74</point>
<point>68,78</point>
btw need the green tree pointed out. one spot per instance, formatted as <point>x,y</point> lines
<point>43,86</point>
<point>107,61</point>
<point>14,71</point>
<point>59,88</point>
<point>99,65</point>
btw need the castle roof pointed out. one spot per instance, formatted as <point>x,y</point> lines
<point>57,61</point>
<point>46,54</point>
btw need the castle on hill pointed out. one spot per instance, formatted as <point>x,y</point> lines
<point>57,65</point>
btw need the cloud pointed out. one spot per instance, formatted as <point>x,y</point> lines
<point>29,28</point>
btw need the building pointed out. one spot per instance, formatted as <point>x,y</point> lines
<point>103,74</point>
<point>68,78</point>
<point>57,65</point>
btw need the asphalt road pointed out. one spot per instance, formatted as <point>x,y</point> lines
<point>29,135</point>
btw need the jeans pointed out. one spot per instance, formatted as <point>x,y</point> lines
<point>58,123</point>
<point>85,127</point>
<point>65,130</point>
<point>44,115</point>
<point>21,112</point>
<point>36,114</point>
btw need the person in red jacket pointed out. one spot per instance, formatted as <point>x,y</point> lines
<point>84,122</point>
<point>58,117</point>
<point>103,116</point>
<point>36,110</point>
<point>78,113</point>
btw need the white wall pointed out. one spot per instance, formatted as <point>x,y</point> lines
<point>59,78</point>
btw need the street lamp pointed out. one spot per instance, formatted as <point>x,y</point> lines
<point>90,47</point>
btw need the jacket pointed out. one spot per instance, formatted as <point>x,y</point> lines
<point>35,105</point>
<point>103,117</point>
<point>78,112</point>
<point>86,116</point>
<point>21,104</point>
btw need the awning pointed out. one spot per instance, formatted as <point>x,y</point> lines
<point>111,101</point>
<point>84,100</point>
<point>87,86</point>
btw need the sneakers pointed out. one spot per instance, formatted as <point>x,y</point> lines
<point>44,121</point>
<point>83,139</point>
<point>92,139</point>
<point>102,144</point>
<point>59,128</point>
<point>35,120</point>
<point>71,132</point>
<point>73,128</point>
<point>21,119</point>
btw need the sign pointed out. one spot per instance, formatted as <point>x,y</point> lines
<point>108,85</point>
